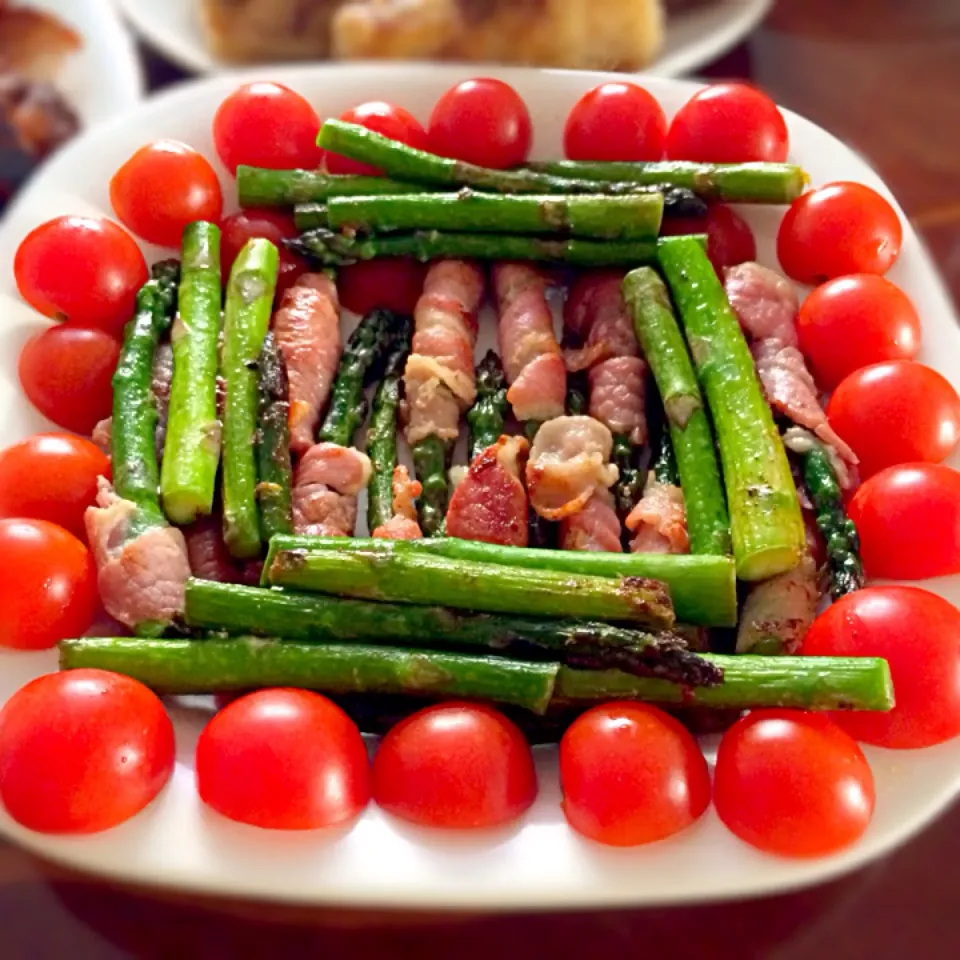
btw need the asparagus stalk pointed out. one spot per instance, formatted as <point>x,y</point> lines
<point>690,434</point>
<point>767,527</point>
<point>258,187</point>
<point>317,619</point>
<point>488,414</point>
<point>335,249</point>
<point>730,182</point>
<point>136,476</point>
<point>306,216</point>
<point>664,465</point>
<point>382,435</point>
<point>628,489</point>
<point>431,458</point>
<point>191,451</point>
<point>274,471</point>
<point>246,316</point>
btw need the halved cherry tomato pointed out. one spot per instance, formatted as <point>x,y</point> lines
<point>792,783</point>
<point>266,125</point>
<point>853,321</point>
<point>285,760</point>
<point>615,121</point>
<point>729,238</point>
<point>386,118</point>
<point>897,412</point>
<point>388,283</point>
<point>82,751</point>
<point>838,229</point>
<point>164,186</point>
<point>81,269</point>
<point>482,121</point>
<point>631,774</point>
<point>272,225</point>
<point>908,518</point>
<point>455,765</point>
<point>49,588</point>
<point>51,476</point>
<point>918,634</point>
<point>65,373</point>
<point>728,123</point>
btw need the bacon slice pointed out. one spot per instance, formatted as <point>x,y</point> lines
<point>764,301</point>
<point>569,462</point>
<point>209,557</point>
<point>781,609</point>
<point>325,487</point>
<point>403,524</point>
<point>659,520</point>
<point>618,396</point>
<point>596,527</point>
<point>307,330</point>
<point>489,503</point>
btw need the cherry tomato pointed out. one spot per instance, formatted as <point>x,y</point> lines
<point>285,760</point>
<point>792,783</point>
<point>49,587</point>
<point>631,774</point>
<point>728,123</point>
<point>386,118</point>
<point>272,225</point>
<point>837,229</point>
<point>65,373</point>
<point>853,321</point>
<point>266,125</point>
<point>388,283</point>
<point>51,476</point>
<point>896,412</point>
<point>918,634</point>
<point>615,121</point>
<point>459,765</point>
<point>82,269</point>
<point>82,751</point>
<point>482,121</point>
<point>729,238</point>
<point>163,187</point>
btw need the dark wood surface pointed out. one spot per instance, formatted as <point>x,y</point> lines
<point>885,76</point>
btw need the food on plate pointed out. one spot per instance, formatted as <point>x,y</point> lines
<point>274,469</point>
<point>729,238</point>
<point>386,119</point>
<point>615,121</point>
<point>266,224</point>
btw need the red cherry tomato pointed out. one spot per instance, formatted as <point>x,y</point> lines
<point>49,588</point>
<point>631,774</point>
<point>729,238</point>
<point>82,751</point>
<point>615,121</point>
<point>458,765</point>
<point>266,125</point>
<point>838,229</point>
<point>897,412</point>
<point>386,118</point>
<point>482,121</point>
<point>792,783</point>
<point>389,283</point>
<point>851,322</point>
<point>728,123</point>
<point>908,518</point>
<point>271,225</point>
<point>82,269</point>
<point>51,476</point>
<point>65,373</point>
<point>163,187</point>
<point>284,760</point>
<point>918,634</point>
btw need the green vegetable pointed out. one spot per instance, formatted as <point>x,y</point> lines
<point>258,187</point>
<point>306,216</point>
<point>487,416</point>
<point>431,458</point>
<point>627,457</point>
<point>664,464</point>
<point>274,470</point>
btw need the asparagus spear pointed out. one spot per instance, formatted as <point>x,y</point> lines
<point>768,535</point>
<point>334,249</point>
<point>628,489</point>
<point>306,216</point>
<point>431,459</point>
<point>136,476</point>
<point>258,187</point>
<point>246,315</point>
<point>382,435</point>
<point>274,471</point>
<point>310,618</point>
<point>730,182</point>
<point>487,415</point>
<point>664,465</point>
<point>690,434</point>
<point>629,217</point>
<point>191,451</point>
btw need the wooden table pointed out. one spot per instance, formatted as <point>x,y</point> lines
<point>885,76</point>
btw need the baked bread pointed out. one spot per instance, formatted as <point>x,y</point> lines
<point>33,44</point>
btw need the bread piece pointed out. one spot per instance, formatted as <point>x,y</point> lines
<point>33,44</point>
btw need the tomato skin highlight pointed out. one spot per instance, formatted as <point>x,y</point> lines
<point>82,751</point>
<point>897,412</point>
<point>256,223</point>
<point>729,238</point>
<point>387,283</point>
<point>854,321</point>
<point>53,477</point>
<point>385,118</point>
<point>283,759</point>
<point>615,121</point>
<point>908,518</point>
<point>631,774</point>
<point>83,269</point>
<point>455,765</point>
<point>918,634</point>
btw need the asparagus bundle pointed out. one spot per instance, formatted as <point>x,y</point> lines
<point>274,470</point>
<point>487,416</point>
<point>259,187</point>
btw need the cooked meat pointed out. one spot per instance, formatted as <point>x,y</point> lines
<point>778,612</point>
<point>403,524</point>
<point>596,527</point>
<point>325,488</point>
<point>659,520</point>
